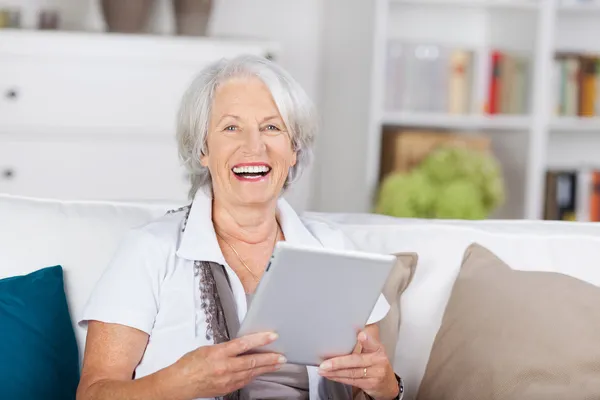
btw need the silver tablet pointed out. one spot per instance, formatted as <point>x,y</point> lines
<point>316,299</point>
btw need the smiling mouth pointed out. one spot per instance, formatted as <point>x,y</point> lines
<point>251,171</point>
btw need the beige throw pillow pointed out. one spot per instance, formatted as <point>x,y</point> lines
<point>510,334</point>
<point>395,285</point>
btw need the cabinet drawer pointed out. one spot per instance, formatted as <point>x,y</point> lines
<point>106,82</point>
<point>93,170</point>
<point>85,93</point>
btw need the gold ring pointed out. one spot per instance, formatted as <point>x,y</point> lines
<point>364,373</point>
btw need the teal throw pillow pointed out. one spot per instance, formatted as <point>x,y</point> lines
<point>39,358</point>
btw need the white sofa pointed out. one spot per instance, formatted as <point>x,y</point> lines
<point>81,236</point>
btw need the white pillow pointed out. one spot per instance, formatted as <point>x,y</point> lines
<point>79,235</point>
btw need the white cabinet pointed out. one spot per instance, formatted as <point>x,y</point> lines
<point>92,169</point>
<point>83,93</point>
<point>93,116</point>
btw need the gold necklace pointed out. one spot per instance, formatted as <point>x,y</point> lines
<point>256,278</point>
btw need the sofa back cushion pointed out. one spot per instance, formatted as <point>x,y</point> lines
<point>569,248</point>
<point>79,236</point>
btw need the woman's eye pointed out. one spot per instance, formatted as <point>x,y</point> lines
<point>231,128</point>
<point>272,128</point>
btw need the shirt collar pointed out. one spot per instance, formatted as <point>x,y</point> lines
<point>199,240</point>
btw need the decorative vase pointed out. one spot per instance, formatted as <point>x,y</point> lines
<point>126,16</point>
<point>192,16</point>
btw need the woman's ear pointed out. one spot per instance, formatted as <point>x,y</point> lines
<point>294,158</point>
<point>204,160</point>
<point>204,157</point>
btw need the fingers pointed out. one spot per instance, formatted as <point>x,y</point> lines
<point>371,380</point>
<point>355,373</point>
<point>347,362</point>
<point>368,343</point>
<point>242,345</point>
<point>245,377</point>
<point>237,380</point>
<point>253,361</point>
<point>357,348</point>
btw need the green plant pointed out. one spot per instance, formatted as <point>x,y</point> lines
<point>451,183</point>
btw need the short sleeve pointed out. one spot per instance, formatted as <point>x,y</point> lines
<point>127,291</point>
<point>382,307</point>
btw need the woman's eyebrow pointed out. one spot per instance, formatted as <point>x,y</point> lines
<point>270,118</point>
<point>229,116</point>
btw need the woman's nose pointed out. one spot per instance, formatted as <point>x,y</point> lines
<point>254,141</point>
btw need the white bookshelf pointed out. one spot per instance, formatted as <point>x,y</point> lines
<point>576,125</point>
<point>507,4</point>
<point>579,7</point>
<point>456,122</point>
<point>526,145</point>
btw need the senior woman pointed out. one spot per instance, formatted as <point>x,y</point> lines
<point>162,320</point>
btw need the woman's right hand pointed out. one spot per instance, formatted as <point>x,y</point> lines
<point>216,370</point>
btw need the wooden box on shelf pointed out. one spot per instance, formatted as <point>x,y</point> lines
<point>401,150</point>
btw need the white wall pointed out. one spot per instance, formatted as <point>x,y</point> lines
<point>295,24</point>
<point>348,38</point>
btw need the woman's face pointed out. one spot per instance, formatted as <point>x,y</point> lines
<point>249,147</point>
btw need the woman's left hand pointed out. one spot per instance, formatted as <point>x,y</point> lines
<point>368,369</point>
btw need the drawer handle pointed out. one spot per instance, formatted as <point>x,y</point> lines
<point>8,174</point>
<point>12,94</point>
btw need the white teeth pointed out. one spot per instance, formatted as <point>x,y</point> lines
<point>254,169</point>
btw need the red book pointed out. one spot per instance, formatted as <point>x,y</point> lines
<point>494,92</point>
<point>595,197</point>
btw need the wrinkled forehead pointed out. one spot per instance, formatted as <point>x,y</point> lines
<point>244,98</point>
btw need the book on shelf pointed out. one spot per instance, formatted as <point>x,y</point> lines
<point>508,83</point>
<point>433,78</point>
<point>578,2</point>
<point>573,195</point>
<point>575,85</point>
<point>428,78</point>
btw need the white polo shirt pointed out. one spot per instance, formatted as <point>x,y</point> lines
<point>150,283</point>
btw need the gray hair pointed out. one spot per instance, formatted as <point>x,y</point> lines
<point>296,109</point>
